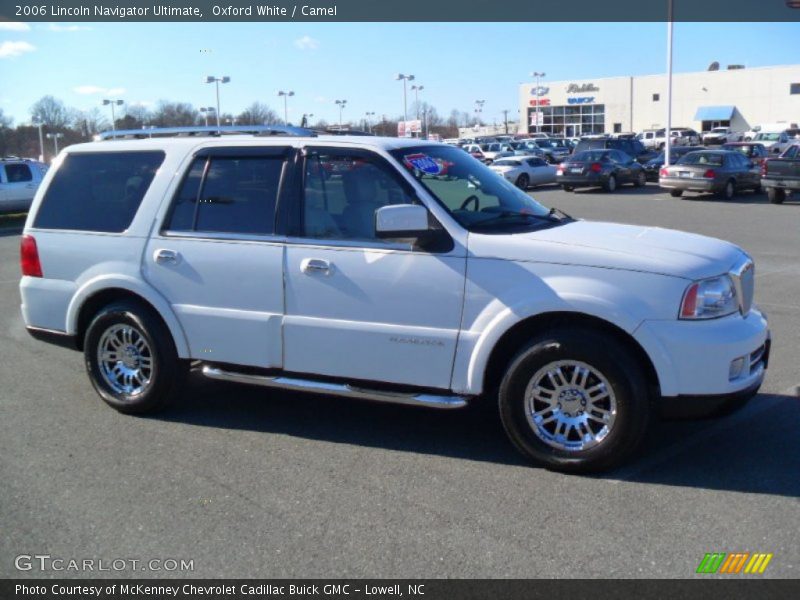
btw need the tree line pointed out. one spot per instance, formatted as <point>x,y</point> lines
<point>77,126</point>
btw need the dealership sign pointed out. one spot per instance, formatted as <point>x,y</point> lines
<point>540,91</point>
<point>581,100</point>
<point>574,88</point>
<point>537,118</point>
<point>540,102</point>
<point>409,128</point>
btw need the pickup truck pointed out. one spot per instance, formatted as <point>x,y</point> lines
<point>721,135</point>
<point>782,174</point>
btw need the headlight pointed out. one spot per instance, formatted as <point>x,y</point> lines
<point>709,298</point>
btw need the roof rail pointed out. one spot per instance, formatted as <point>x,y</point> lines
<point>260,130</point>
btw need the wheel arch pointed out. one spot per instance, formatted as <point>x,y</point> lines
<point>100,292</point>
<point>514,338</point>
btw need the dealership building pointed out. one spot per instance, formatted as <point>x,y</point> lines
<point>734,96</point>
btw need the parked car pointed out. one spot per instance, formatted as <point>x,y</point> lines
<point>522,149</point>
<point>563,143</point>
<point>600,168</point>
<point>786,139</point>
<point>775,141</point>
<point>632,148</point>
<point>653,166</point>
<point>418,276</point>
<point>494,151</point>
<point>19,180</point>
<point>721,135</point>
<point>475,151</point>
<point>552,153</point>
<point>719,171</point>
<point>679,136</point>
<point>754,151</point>
<point>524,171</point>
<point>648,138</point>
<point>781,175</point>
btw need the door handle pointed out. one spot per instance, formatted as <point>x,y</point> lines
<point>315,265</point>
<point>163,256</point>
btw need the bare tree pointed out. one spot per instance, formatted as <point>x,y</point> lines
<point>258,113</point>
<point>174,114</point>
<point>5,121</point>
<point>51,112</point>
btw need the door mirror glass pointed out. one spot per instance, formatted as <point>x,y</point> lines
<point>401,221</point>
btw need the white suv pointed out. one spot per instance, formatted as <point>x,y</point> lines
<point>19,180</point>
<point>385,269</point>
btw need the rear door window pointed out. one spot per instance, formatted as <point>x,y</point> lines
<point>18,173</point>
<point>97,191</point>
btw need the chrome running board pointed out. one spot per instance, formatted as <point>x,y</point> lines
<point>336,389</point>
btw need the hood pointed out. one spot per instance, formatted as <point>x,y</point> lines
<point>614,246</point>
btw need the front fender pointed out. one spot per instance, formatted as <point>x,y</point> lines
<point>136,286</point>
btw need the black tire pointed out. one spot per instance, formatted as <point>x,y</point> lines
<point>758,189</point>
<point>523,182</point>
<point>729,191</point>
<point>676,193</point>
<point>625,377</point>
<point>640,180</point>
<point>168,371</point>
<point>568,188</point>
<point>776,195</point>
<point>611,184</point>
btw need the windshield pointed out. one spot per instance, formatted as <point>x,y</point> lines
<point>701,158</point>
<point>506,163</point>
<point>768,137</point>
<point>478,198</point>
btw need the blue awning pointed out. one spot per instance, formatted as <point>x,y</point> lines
<point>714,113</point>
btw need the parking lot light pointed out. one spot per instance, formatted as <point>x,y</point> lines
<point>205,110</point>
<point>369,120</point>
<point>405,79</point>
<point>55,137</point>
<point>285,106</point>
<point>217,81</point>
<point>113,118</point>
<point>417,89</point>
<point>341,104</point>
<point>38,123</point>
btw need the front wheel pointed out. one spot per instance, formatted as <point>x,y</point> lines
<point>640,180</point>
<point>523,182</point>
<point>567,188</point>
<point>575,401</point>
<point>131,358</point>
<point>610,184</point>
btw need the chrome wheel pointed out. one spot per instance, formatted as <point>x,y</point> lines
<point>570,405</point>
<point>125,360</point>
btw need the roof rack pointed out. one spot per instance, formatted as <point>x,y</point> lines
<point>259,130</point>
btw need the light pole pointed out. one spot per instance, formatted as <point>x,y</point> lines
<point>113,118</point>
<point>205,110</point>
<point>537,75</point>
<point>341,104</point>
<point>369,120</point>
<point>478,110</point>
<point>54,137</point>
<point>667,140</point>
<point>39,124</point>
<point>405,79</point>
<point>217,81</point>
<point>417,89</point>
<point>505,119</point>
<point>285,105</point>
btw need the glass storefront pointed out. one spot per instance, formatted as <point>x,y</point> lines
<point>569,121</point>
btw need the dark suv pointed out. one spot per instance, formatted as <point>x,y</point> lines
<point>633,148</point>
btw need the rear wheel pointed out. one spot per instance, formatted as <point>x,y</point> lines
<point>676,193</point>
<point>575,400</point>
<point>131,358</point>
<point>523,181</point>
<point>776,195</point>
<point>640,180</point>
<point>568,188</point>
<point>610,184</point>
<point>728,191</point>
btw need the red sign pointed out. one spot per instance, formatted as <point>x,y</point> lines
<point>540,102</point>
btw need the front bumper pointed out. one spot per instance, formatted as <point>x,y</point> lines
<point>693,358</point>
<point>784,184</point>
<point>688,185</point>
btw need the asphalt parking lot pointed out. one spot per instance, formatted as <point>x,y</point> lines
<point>247,482</point>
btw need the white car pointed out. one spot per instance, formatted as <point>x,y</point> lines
<point>777,141</point>
<point>19,180</point>
<point>495,150</point>
<point>387,269</point>
<point>721,135</point>
<point>525,172</point>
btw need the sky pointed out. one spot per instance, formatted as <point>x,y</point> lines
<point>457,63</point>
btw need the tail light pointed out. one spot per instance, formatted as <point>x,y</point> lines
<point>560,168</point>
<point>29,257</point>
<point>596,167</point>
<point>663,173</point>
<point>710,174</point>
<point>763,168</point>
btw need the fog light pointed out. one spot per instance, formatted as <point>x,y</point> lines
<point>737,366</point>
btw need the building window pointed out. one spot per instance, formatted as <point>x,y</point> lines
<point>617,127</point>
<point>794,88</point>
<point>656,97</point>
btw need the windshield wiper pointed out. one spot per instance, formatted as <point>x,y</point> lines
<point>507,214</point>
<point>557,212</point>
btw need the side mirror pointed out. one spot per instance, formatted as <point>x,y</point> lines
<point>401,221</point>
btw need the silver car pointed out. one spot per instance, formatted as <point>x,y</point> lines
<point>19,180</point>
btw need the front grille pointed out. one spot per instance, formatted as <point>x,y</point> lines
<point>743,276</point>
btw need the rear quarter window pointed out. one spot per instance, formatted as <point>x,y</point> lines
<point>97,191</point>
